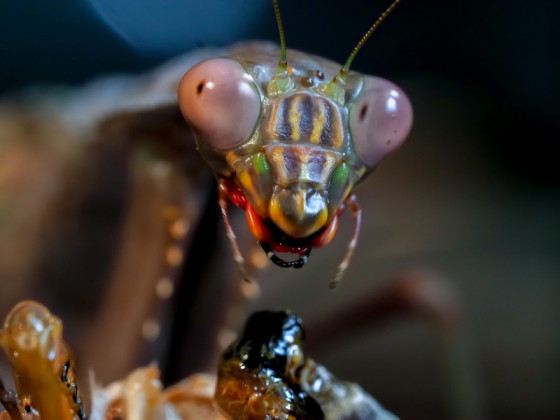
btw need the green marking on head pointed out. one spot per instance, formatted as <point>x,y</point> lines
<point>335,89</point>
<point>261,164</point>
<point>280,82</point>
<point>341,175</point>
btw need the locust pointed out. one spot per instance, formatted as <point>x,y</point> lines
<point>289,135</point>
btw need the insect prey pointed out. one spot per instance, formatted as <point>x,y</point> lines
<point>43,364</point>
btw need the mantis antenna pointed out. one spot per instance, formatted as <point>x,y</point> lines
<point>335,89</point>
<point>283,65</point>
<point>280,82</point>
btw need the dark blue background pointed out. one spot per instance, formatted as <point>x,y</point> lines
<point>505,52</point>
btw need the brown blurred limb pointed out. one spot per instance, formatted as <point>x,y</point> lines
<point>413,295</point>
<point>10,402</point>
<point>166,187</point>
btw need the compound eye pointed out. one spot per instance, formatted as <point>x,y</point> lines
<point>380,120</point>
<point>220,101</point>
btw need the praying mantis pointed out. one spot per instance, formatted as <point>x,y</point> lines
<point>298,135</point>
<point>288,135</point>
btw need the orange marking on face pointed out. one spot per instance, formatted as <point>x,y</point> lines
<point>327,235</point>
<point>258,229</point>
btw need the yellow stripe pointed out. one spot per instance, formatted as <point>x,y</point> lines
<point>336,131</point>
<point>300,204</point>
<point>318,121</point>
<point>231,157</point>
<point>278,163</point>
<point>272,121</point>
<point>275,210</point>
<point>330,161</point>
<point>246,181</point>
<point>294,117</point>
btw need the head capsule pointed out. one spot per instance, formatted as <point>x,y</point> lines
<point>297,154</point>
<point>291,144</point>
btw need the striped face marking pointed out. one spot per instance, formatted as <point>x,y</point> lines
<point>305,117</point>
<point>289,146</point>
<point>302,153</point>
<point>303,140</point>
<point>296,164</point>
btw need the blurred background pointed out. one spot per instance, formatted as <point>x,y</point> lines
<point>469,205</point>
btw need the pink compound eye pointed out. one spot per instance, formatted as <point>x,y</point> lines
<point>219,99</point>
<point>380,120</point>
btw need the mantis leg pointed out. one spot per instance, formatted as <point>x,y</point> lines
<point>351,202</point>
<point>237,256</point>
